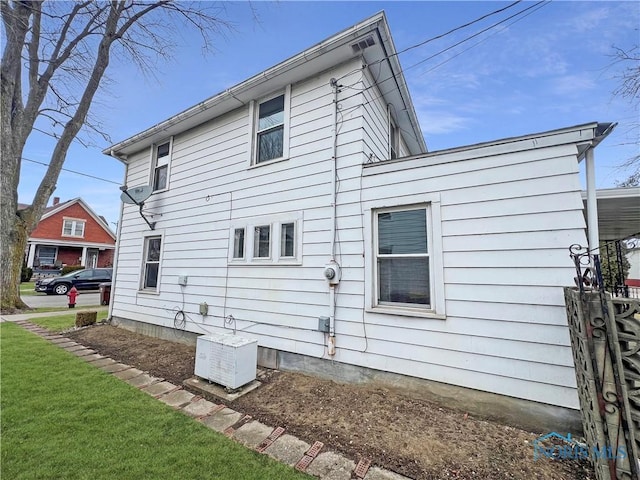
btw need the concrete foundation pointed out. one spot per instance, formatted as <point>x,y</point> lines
<point>531,416</point>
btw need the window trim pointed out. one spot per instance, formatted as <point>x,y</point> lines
<point>74,224</point>
<point>233,244</point>
<point>431,202</point>
<point>254,257</point>
<point>254,110</point>
<point>37,253</point>
<point>154,164</point>
<point>143,263</point>
<point>393,143</point>
<point>275,223</point>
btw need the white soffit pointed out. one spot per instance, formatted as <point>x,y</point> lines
<point>618,212</point>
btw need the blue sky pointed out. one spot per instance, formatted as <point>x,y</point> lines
<point>550,69</point>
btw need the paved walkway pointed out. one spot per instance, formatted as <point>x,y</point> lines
<point>313,459</point>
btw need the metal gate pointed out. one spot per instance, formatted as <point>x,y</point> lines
<point>605,339</point>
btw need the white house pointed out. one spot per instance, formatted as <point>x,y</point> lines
<point>449,265</point>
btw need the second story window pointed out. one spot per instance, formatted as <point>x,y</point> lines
<point>73,228</point>
<point>270,141</point>
<point>161,158</point>
<point>270,128</point>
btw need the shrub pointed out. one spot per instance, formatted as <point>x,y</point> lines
<point>84,319</point>
<point>71,268</point>
<point>26,273</point>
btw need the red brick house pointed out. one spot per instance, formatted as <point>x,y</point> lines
<point>70,233</point>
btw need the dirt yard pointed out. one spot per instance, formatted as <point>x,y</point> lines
<point>412,437</point>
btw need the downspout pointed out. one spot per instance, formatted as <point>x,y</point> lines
<point>593,235</point>
<point>331,347</point>
<point>118,234</point>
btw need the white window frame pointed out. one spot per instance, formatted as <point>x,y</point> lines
<point>75,222</point>
<point>431,203</point>
<point>37,254</point>
<point>156,163</point>
<point>254,250</point>
<point>394,136</point>
<point>275,223</point>
<point>233,244</point>
<point>254,110</point>
<point>145,239</point>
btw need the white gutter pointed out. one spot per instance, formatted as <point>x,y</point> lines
<point>338,40</point>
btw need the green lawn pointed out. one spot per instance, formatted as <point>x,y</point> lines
<point>57,323</point>
<point>27,289</point>
<point>99,308</point>
<point>63,418</point>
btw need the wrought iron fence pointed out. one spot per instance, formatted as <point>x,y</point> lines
<point>605,340</point>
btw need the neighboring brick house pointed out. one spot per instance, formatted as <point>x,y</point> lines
<point>70,233</point>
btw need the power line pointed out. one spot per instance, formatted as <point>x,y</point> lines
<point>533,8</point>
<point>442,35</point>
<point>73,171</point>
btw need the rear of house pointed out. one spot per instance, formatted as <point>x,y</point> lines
<point>449,265</point>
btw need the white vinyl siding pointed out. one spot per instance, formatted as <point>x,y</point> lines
<point>503,218</point>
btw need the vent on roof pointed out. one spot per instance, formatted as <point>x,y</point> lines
<point>362,44</point>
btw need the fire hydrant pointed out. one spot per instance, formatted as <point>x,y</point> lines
<point>73,294</point>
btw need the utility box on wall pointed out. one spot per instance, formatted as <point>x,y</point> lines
<point>228,360</point>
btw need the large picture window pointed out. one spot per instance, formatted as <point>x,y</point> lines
<point>151,268</point>
<point>402,259</point>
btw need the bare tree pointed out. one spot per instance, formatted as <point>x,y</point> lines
<point>629,89</point>
<point>54,61</point>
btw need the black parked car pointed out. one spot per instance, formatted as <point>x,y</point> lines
<point>88,279</point>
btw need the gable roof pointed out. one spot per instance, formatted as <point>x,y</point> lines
<point>53,209</point>
<point>326,54</point>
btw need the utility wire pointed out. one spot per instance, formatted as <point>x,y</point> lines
<point>73,171</point>
<point>442,35</point>
<point>535,7</point>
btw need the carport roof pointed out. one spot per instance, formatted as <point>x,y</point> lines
<point>618,212</point>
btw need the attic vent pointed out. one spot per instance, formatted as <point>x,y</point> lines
<point>362,44</point>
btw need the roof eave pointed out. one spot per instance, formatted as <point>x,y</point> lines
<point>241,93</point>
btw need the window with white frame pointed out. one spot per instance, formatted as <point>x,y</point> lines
<point>267,241</point>
<point>287,240</point>
<point>161,159</point>
<point>394,140</point>
<point>151,266</point>
<point>394,134</point>
<point>45,255</point>
<point>402,257</point>
<point>72,227</point>
<point>262,241</point>
<point>269,132</point>
<point>238,243</point>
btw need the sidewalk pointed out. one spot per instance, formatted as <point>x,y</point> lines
<point>313,459</point>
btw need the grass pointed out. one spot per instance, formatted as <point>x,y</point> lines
<point>63,418</point>
<point>58,323</point>
<point>27,289</point>
<point>100,308</point>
